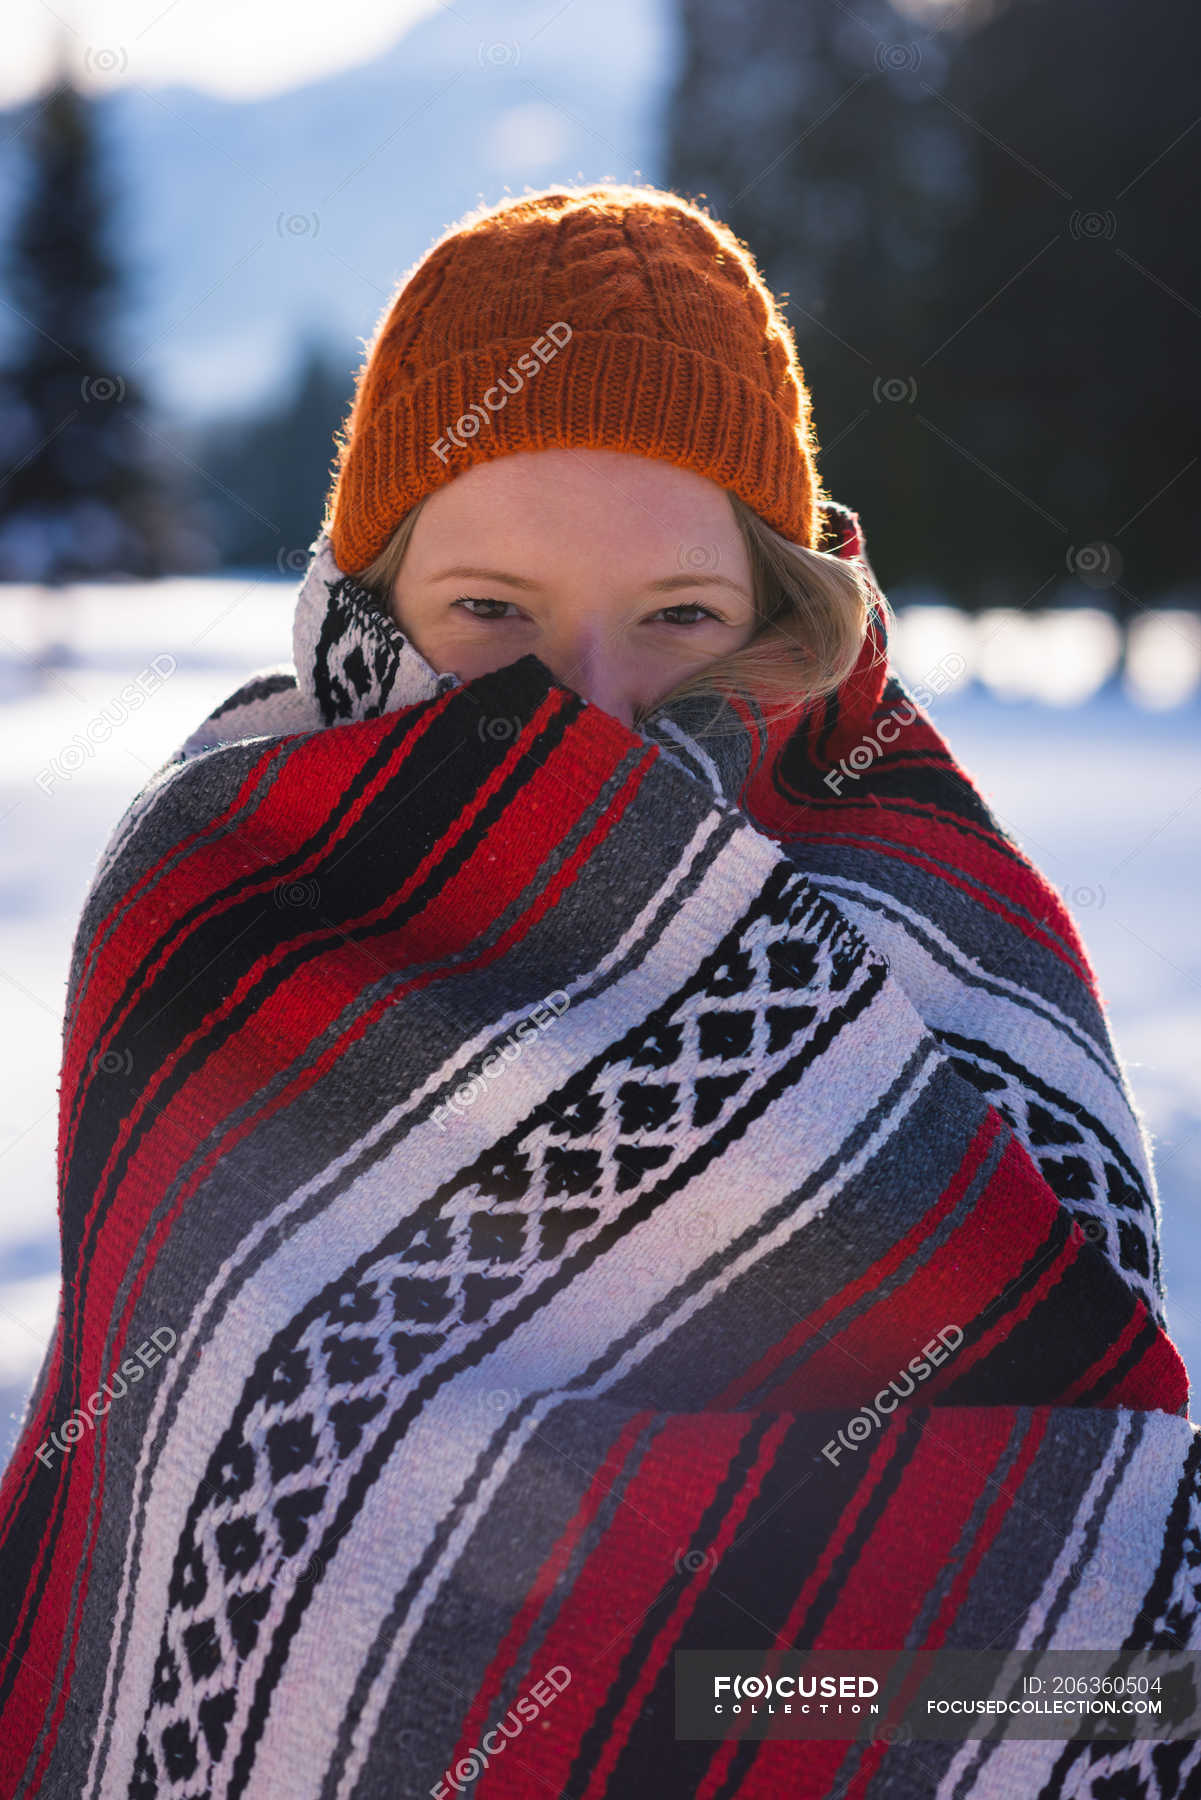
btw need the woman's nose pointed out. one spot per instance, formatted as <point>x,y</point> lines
<point>591,664</point>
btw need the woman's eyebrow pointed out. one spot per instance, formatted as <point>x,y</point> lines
<point>666,585</point>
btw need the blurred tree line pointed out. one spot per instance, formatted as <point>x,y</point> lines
<point>981,222</point>
<point>975,215</point>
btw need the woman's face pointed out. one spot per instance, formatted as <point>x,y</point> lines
<point>622,573</point>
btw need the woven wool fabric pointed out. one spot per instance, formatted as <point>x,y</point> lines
<point>499,1150</point>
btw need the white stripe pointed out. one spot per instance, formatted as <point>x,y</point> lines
<point>607,1301</point>
<point>313,1254</point>
<point>1019,1027</point>
<point>668,728</point>
<point>1104,1599</point>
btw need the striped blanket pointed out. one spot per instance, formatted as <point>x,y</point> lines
<point>537,1197</point>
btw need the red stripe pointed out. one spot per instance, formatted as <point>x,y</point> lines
<point>785,816</point>
<point>25,1714</point>
<point>956,1595</point>
<point>475,1720</point>
<point>882,1595</point>
<point>129,896</point>
<point>316,775</point>
<point>661,1512</point>
<point>1002,908</point>
<point>239,1069</point>
<point>98,1301</point>
<point>913,1541</point>
<point>982,856</point>
<point>1157,1381</point>
<point>815,1323</point>
<point>673,1627</point>
<point>876,1471</point>
<point>240,1063</point>
<point>1006,1228</point>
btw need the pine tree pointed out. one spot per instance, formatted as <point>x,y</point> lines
<point>83,488</point>
<point>1071,304</point>
<point>813,133</point>
<point>978,215</point>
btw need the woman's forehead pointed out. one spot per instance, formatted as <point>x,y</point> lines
<point>624,502</point>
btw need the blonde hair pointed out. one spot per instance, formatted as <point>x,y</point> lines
<point>812,611</point>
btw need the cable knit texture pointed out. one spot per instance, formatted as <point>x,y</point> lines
<point>614,317</point>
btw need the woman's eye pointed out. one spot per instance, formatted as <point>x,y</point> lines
<point>494,609</point>
<point>700,612</point>
<point>468,602</point>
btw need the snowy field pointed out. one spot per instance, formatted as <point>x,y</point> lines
<point>1097,775</point>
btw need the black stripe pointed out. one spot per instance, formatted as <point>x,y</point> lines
<point>1142,1343</point>
<point>357,881</point>
<point>105,1108</point>
<point>259,687</point>
<point>629,1774</point>
<point>353,1167</point>
<point>1040,1356</point>
<point>470,1356</point>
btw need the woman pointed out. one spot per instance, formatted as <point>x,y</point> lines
<point>585,1147</point>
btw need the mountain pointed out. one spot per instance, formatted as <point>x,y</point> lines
<point>248,224</point>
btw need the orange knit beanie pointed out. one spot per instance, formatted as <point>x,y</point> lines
<point>611,316</point>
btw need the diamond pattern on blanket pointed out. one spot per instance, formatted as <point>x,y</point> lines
<point>1088,1172</point>
<point>334,1385</point>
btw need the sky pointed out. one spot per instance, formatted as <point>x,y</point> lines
<point>238,49</point>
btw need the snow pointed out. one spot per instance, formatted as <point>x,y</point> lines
<point>1104,793</point>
